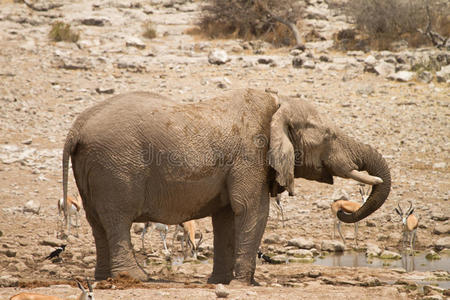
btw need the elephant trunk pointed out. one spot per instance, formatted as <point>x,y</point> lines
<point>371,161</point>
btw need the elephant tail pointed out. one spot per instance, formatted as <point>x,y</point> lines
<point>69,148</point>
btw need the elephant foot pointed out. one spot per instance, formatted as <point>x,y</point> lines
<point>243,283</point>
<point>215,279</point>
<point>135,273</point>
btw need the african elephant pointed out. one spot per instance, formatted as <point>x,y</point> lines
<point>139,157</point>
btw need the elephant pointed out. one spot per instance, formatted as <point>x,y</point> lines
<point>140,157</point>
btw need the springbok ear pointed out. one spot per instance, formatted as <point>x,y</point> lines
<point>281,153</point>
<point>396,210</point>
<point>411,212</point>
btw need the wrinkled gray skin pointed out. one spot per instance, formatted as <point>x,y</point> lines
<point>140,157</point>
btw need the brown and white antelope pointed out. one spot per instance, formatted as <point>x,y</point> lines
<point>347,207</point>
<point>85,295</point>
<point>189,230</point>
<point>410,224</point>
<point>73,209</point>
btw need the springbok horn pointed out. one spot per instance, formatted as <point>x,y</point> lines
<point>399,208</point>
<point>410,206</point>
<point>364,178</point>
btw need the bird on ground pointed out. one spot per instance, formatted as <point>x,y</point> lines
<point>266,258</point>
<point>56,252</point>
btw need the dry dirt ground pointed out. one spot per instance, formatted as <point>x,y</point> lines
<point>40,95</point>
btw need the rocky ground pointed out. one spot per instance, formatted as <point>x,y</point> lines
<point>376,97</point>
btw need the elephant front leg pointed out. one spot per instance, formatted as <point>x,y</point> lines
<point>251,213</point>
<point>223,227</point>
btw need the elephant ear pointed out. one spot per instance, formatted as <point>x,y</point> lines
<point>281,153</point>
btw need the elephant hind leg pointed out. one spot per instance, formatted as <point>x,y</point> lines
<point>224,246</point>
<point>103,266</point>
<point>121,251</point>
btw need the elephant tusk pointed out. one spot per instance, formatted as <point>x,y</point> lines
<point>364,178</point>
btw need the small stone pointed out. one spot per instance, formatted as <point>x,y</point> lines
<point>390,255</point>
<point>309,64</point>
<point>221,291</point>
<point>425,76</point>
<point>32,207</point>
<point>135,42</point>
<point>301,243</point>
<point>332,246</point>
<point>442,229</point>
<point>272,238</point>
<point>300,253</point>
<point>442,243</point>
<point>373,250</point>
<point>95,21</point>
<point>27,142</point>
<point>402,76</point>
<point>52,242</point>
<point>279,259</point>
<point>265,61</point>
<point>440,165</point>
<point>8,281</point>
<point>432,255</point>
<point>218,57</point>
<point>297,62</point>
<point>370,60</point>
<point>103,90</point>
<point>444,74</point>
<point>384,69</point>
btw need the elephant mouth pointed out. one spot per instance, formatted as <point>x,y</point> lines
<point>319,174</point>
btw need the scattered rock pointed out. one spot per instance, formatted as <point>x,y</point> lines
<point>265,61</point>
<point>425,76</point>
<point>272,238</point>
<point>8,281</point>
<point>440,165</point>
<point>339,195</point>
<point>300,253</point>
<point>297,62</point>
<point>386,254</point>
<point>52,242</point>
<point>95,21</point>
<point>279,259</point>
<point>442,229</point>
<point>402,76</point>
<point>432,255</point>
<point>301,243</point>
<point>373,250</point>
<point>442,243</point>
<point>309,64</point>
<point>218,57</point>
<point>221,291</point>
<point>332,246</point>
<point>384,69</point>
<point>103,90</point>
<point>32,207</point>
<point>444,74</point>
<point>135,42</point>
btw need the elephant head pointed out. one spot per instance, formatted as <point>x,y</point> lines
<point>303,144</point>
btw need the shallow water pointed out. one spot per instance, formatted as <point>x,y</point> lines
<point>409,263</point>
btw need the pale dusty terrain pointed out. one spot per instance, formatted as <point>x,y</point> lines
<point>39,99</point>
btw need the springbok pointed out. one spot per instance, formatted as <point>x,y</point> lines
<point>347,207</point>
<point>189,228</point>
<point>74,207</point>
<point>85,295</point>
<point>410,224</point>
<point>163,229</point>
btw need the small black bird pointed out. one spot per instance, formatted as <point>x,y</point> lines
<point>266,258</point>
<point>56,252</point>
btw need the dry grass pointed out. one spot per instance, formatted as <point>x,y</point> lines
<point>383,22</point>
<point>61,32</point>
<point>149,30</point>
<point>249,20</point>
